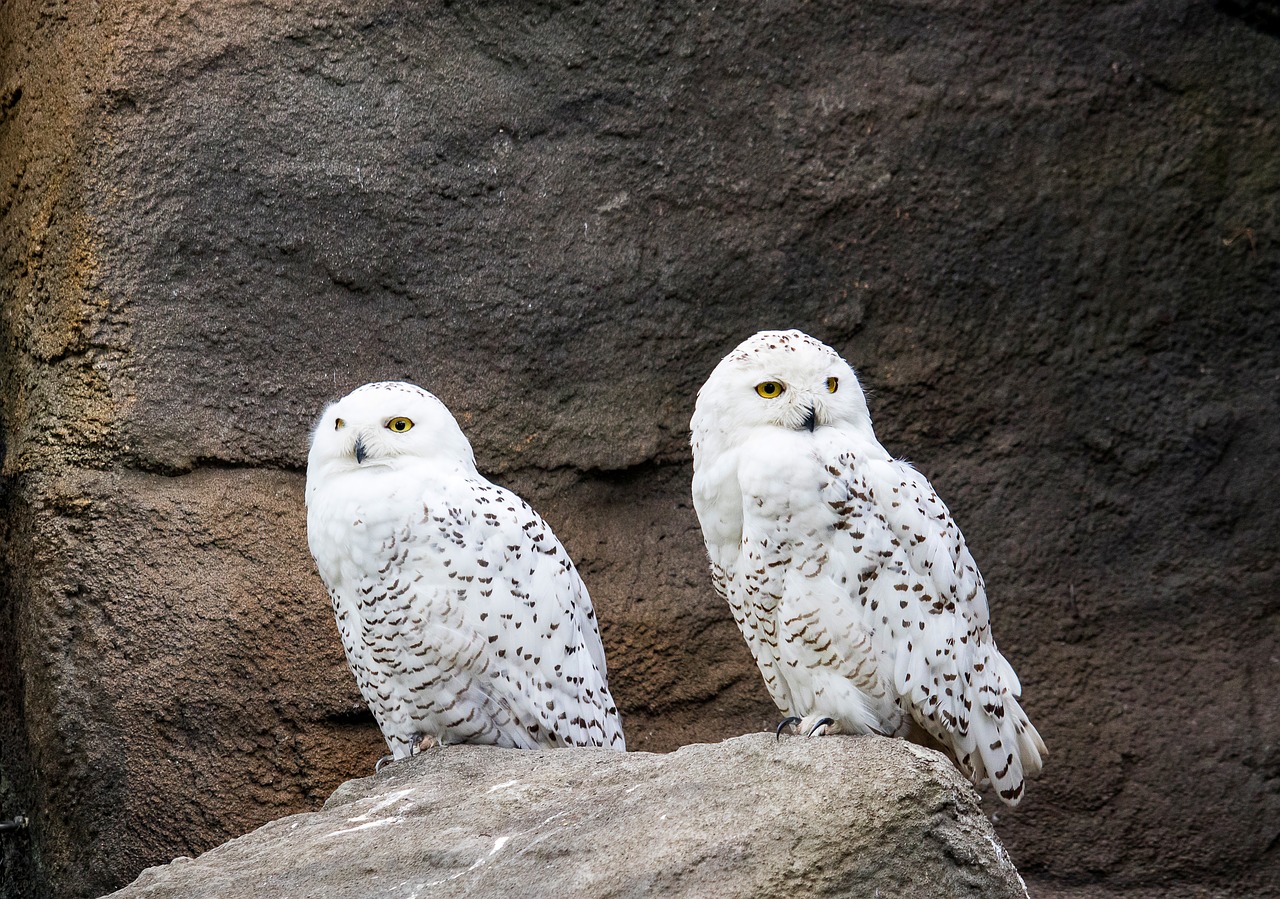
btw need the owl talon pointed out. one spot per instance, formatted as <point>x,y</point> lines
<point>823,724</point>
<point>789,721</point>
<point>377,769</point>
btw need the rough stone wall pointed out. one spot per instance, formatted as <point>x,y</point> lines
<point>1044,234</point>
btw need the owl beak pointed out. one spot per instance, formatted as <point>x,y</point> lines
<point>361,452</point>
<point>811,420</point>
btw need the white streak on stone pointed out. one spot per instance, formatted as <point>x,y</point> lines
<point>392,799</point>
<point>498,844</point>
<point>368,825</point>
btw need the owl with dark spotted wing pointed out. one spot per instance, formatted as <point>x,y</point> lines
<point>462,616</point>
<point>850,581</point>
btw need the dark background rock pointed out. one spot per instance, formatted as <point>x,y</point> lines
<point>750,817</point>
<point>1044,234</point>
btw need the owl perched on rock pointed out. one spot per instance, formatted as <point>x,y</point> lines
<point>846,574</point>
<point>463,619</point>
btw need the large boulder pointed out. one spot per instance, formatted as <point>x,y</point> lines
<point>749,817</point>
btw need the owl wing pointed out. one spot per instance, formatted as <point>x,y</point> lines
<point>508,588</point>
<point>922,596</point>
<point>742,584</point>
<point>738,567</point>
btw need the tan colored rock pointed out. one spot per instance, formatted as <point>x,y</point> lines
<point>750,817</point>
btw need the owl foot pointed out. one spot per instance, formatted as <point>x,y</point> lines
<point>421,743</point>
<point>810,725</point>
<point>818,727</point>
<point>784,724</point>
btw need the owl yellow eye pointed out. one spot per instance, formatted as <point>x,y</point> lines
<point>339,424</point>
<point>769,389</point>
<point>399,425</point>
<point>832,384</point>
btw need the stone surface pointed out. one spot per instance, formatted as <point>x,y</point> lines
<point>1044,233</point>
<point>748,817</point>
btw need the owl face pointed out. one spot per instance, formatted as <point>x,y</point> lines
<point>387,425</point>
<point>783,379</point>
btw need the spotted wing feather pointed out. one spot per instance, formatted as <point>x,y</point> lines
<point>923,597</point>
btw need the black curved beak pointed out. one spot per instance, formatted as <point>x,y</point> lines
<point>360,451</point>
<point>811,420</point>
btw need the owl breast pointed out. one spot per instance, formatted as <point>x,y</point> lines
<point>790,592</point>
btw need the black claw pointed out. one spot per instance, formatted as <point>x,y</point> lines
<point>783,726</point>
<point>377,769</point>
<point>821,722</point>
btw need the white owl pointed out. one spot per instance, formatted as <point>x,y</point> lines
<point>463,619</point>
<point>852,585</point>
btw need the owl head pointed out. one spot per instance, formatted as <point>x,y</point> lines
<point>387,425</point>
<point>780,379</point>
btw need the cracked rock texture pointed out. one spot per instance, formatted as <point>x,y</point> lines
<point>1045,234</point>
<point>749,817</point>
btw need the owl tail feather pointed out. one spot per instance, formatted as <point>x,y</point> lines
<point>1009,750</point>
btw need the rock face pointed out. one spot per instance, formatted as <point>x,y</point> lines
<point>749,817</point>
<point>1045,234</point>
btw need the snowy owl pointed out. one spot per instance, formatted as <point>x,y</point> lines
<point>463,619</point>
<point>850,582</point>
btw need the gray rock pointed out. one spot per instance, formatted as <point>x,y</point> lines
<point>747,817</point>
